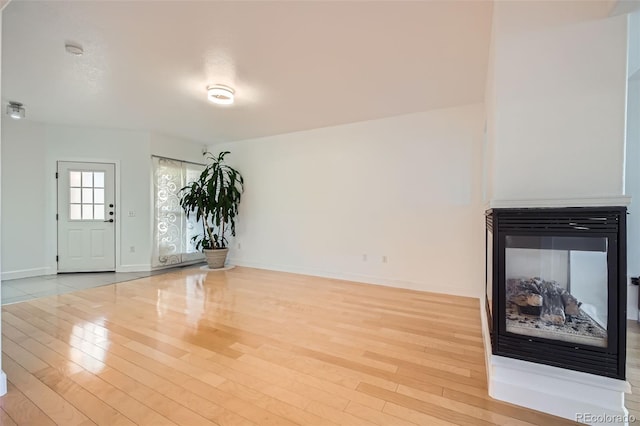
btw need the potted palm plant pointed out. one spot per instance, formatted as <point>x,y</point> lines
<point>213,199</point>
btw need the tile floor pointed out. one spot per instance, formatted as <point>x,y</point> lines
<point>48,285</point>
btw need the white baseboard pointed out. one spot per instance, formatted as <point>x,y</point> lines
<point>3,383</point>
<point>27,273</point>
<point>143,267</point>
<point>367,279</point>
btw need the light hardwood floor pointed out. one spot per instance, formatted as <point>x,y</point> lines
<point>250,347</point>
<point>632,401</point>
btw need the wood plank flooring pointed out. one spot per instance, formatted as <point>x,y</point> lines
<point>632,401</point>
<point>250,347</point>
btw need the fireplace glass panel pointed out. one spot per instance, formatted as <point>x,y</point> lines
<point>557,288</point>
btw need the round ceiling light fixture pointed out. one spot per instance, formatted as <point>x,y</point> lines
<point>74,49</point>
<point>15,110</point>
<point>219,94</point>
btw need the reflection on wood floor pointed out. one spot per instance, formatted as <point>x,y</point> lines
<point>249,347</point>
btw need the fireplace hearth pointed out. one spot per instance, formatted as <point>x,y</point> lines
<point>556,286</point>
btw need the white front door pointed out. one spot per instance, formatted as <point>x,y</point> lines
<point>86,217</point>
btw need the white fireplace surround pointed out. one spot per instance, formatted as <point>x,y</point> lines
<point>577,396</point>
<point>573,395</point>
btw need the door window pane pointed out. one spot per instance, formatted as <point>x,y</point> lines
<point>98,196</point>
<point>74,195</point>
<point>74,178</point>
<point>98,211</point>
<point>87,179</point>
<point>74,212</point>
<point>87,211</point>
<point>87,195</point>
<point>98,179</point>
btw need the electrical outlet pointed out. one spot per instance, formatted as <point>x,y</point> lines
<point>239,246</point>
<point>132,213</point>
<point>364,257</point>
<point>384,259</point>
<point>132,249</point>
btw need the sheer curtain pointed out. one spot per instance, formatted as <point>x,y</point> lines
<point>172,231</point>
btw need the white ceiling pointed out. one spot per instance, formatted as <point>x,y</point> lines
<point>294,65</point>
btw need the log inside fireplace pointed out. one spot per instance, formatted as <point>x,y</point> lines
<point>550,300</point>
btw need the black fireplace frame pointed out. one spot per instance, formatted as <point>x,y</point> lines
<point>609,222</point>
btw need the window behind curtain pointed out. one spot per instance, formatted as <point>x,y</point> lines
<point>172,231</point>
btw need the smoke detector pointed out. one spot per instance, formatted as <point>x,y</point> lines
<point>15,110</point>
<point>74,49</point>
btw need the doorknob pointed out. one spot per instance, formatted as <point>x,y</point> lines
<point>110,220</point>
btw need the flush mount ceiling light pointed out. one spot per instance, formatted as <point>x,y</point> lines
<point>219,94</point>
<point>74,49</point>
<point>15,110</point>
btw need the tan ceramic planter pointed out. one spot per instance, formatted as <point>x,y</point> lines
<point>216,258</point>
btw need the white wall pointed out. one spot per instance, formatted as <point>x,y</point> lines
<point>634,43</point>
<point>29,159</point>
<point>632,169</point>
<point>488,145</point>
<point>130,151</point>
<point>589,277</point>
<point>559,107</point>
<point>24,187</point>
<point>178,148</point>
<point>3,376</point>
<point>550,265</point>
<point>408,188</point>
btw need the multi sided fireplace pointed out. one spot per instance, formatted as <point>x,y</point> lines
<point>556,286</point>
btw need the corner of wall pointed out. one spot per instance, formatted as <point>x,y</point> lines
<point>3,376</point>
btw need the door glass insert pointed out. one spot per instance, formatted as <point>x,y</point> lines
<point>86,195</point>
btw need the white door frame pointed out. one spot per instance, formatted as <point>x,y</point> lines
<point>117,198</point>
